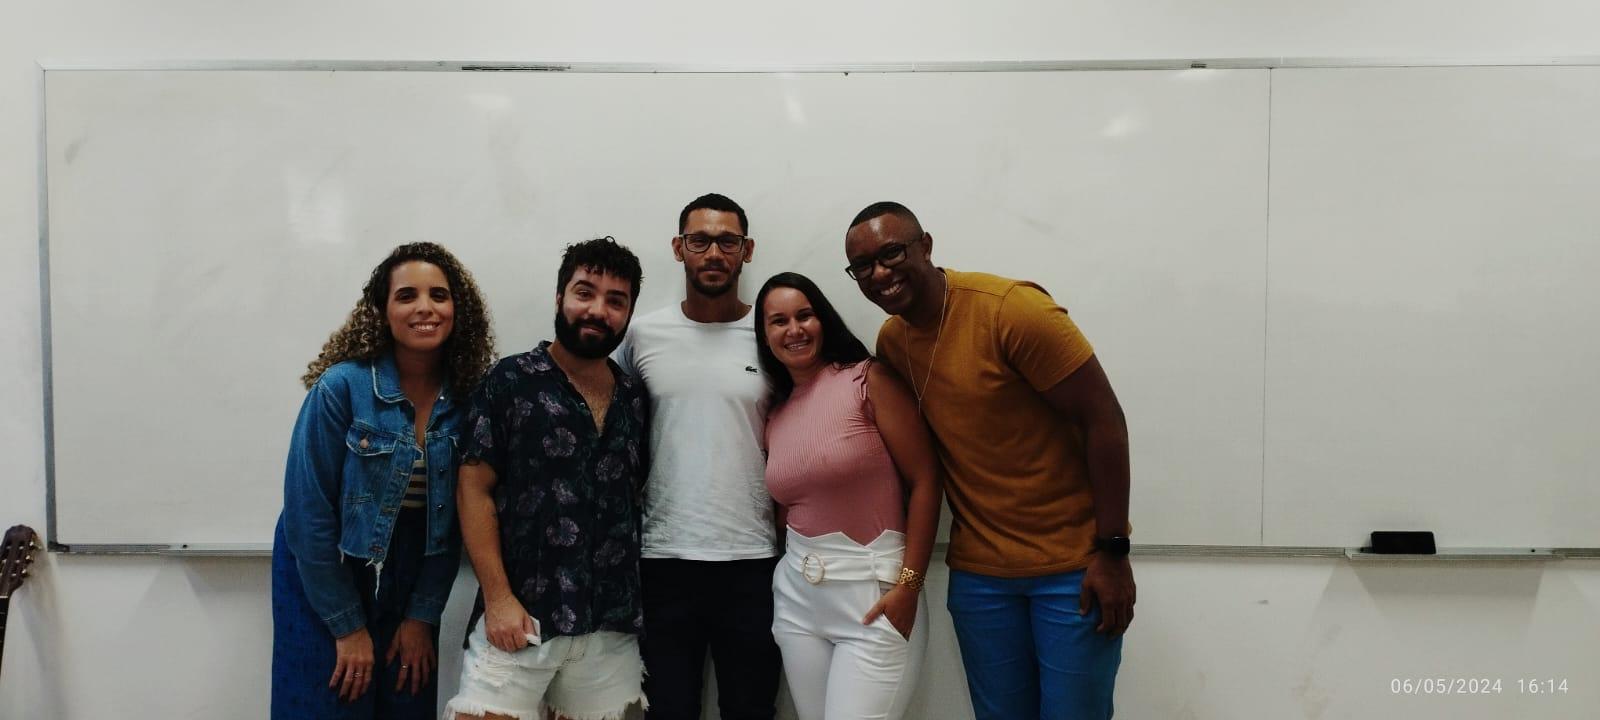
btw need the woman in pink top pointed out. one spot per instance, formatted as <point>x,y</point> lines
<point>853,470</point>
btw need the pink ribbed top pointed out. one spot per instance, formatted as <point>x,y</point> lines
<point>827,464</point>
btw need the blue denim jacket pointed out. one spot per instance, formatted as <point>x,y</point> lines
<point>349,462</point>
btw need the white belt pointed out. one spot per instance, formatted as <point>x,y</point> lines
<point>820,564</point>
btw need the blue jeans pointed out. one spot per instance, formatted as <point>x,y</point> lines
<point>1028,653</point>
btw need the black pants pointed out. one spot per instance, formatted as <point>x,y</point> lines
<point>725,606</point>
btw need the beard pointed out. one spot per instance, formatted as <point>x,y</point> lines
<point>589,348</point>
<point>709,290</point>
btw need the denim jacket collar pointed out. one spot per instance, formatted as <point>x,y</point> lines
<point>386,384</point>
<point>386,379</point>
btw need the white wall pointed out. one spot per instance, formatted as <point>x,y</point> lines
<point>109,637</point>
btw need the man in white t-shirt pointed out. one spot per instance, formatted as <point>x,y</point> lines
<point>709,540</point>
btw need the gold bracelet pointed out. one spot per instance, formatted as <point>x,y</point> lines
<point>911,579</point>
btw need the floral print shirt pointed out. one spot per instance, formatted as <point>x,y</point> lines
<point>566,496</point>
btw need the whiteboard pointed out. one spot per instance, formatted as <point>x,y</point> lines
<point>208,230</point>
<point>1433,295</point>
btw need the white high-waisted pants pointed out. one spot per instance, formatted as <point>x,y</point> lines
<point>838,668</point>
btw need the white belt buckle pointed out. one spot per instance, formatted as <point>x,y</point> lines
<point>805,569</point>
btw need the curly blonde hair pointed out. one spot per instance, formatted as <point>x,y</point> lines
<point>468,352</point>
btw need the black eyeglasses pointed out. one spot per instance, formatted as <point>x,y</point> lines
<point>891,255</point>
<point>698,242</point>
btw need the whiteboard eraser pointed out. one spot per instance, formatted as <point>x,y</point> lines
<point>1402,542</point>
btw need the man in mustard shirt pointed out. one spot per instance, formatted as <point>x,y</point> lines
<point>1035,451</point>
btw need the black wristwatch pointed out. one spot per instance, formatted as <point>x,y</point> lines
<point>1115,546</point>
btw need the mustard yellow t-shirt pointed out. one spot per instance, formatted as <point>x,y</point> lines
<point>1018,482</point>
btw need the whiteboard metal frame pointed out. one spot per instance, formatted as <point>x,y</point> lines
<point>1256,63</point>
<point>46,359</point>
<point>1363,556</point>
<point>44,67</point>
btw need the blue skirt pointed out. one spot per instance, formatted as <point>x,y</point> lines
<point>303,648</point>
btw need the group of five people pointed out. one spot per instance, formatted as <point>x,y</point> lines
<point>748,481</point>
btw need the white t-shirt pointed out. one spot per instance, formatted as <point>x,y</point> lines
<point>706,498</point>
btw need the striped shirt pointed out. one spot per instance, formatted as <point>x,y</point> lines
<point>417,489</point>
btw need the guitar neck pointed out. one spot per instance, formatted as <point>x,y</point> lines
<point>5,605</point>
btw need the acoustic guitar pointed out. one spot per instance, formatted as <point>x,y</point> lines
<point>16,554</point>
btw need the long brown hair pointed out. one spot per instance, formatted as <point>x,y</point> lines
<point>468,352</point>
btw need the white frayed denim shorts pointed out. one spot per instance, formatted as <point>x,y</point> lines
<point>584,677</point>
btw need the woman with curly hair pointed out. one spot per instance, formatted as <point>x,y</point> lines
<point>367,548</point>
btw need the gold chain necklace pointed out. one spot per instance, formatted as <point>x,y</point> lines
<point>905,335</point>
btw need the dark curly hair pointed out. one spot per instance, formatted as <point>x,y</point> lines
<point>601,255</point>
<point>468,352</point>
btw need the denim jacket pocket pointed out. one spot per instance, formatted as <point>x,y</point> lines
<point>372,460</point>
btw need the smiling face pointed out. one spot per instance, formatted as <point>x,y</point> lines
<point>911,280</point>
<point>714,271</point>
<point>592,313</point>
<point>792,330</point>
<point>420,308</point>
